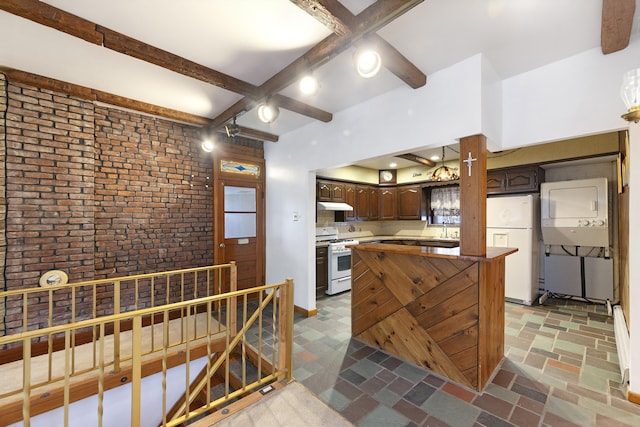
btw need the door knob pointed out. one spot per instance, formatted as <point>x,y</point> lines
<point>222,245</point>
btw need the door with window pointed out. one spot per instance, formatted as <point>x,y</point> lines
<point>239,219</point>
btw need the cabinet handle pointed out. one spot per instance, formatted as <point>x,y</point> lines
<point>222,245</point>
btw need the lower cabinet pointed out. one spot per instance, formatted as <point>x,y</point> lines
<point>322,273</point>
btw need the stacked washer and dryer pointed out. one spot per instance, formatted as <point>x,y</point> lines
<point>576,231</point>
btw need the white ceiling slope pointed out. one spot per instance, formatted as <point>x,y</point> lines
<point>254,39</point>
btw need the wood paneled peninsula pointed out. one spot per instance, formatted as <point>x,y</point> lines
<point>431,306</point>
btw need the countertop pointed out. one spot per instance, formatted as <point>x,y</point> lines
<point>492,254</point>
<point>369,239</point>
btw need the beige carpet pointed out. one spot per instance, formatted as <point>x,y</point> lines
<point>291,406</point>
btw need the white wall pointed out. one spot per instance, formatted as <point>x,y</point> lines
<point>574,97</point>
<point>395,122</point>
<point>577,96</point>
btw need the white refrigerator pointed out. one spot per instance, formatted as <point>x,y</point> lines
<point>513,222</point>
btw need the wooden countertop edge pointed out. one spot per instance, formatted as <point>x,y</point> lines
<point>492,254</point>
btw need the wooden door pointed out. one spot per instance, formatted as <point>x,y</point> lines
<point>239,220</point>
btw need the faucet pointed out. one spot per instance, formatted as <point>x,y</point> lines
<point>444,228</point>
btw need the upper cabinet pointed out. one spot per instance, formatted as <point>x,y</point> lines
<point>388,202</point>
<point>409,201</point>
<point>330,191</point>
<point>520,179</point>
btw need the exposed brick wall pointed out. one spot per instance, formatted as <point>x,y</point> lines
<point>50,197</point>
<point>98,192</point>
<point>3,191</point>
<point>149,216</point>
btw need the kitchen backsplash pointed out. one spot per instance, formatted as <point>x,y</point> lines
<point>411,228</point>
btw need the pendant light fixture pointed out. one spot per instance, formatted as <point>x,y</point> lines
<point>444,173</point>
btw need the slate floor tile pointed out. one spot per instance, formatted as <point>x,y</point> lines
<point>560,370</point>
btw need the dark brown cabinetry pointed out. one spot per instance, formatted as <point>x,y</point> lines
<point>322,273</point>
<point>363,203</point>
<point>409,201</point>
<point>330,191</point>
<point>388,202</point>
<point>520,179</point>
<point>374,203</point>
<point>350,199</point>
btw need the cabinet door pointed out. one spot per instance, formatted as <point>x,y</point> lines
<point>388,203</point>
<point>522,180</point>
<point>362,203</point>
<point>338,193</point>
<point>409,201</point>
<point>374,203</point>
<point>495,182</point>
<point>324,191</point>
<point>322,272</point>
<point>350,199</point>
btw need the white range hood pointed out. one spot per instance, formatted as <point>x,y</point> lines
<point>334,206</point>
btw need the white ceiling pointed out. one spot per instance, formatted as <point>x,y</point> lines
<point>254,39</point>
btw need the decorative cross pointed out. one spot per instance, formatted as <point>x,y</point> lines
<point>468,161</point>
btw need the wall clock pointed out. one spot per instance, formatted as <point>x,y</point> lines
<point>387,176</point>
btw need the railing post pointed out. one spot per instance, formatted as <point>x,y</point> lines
<point>233,301</point>
<point>116,327</point>
<point>285,329</point>
<point>136,370</point>
<point>26,382</point>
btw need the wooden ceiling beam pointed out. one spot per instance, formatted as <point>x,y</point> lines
<point>53,17</point>
<point>368,21</point>
<point>329,13</point>
<point>617,20</point>
<point>392,59</point>
<point>131,47</point>
<point>301,108</point>
<point>257,134</point>
<point>66,22</point>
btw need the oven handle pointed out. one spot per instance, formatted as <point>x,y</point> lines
<point>342,279</point>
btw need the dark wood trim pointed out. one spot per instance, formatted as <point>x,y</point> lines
<point>305,312</point>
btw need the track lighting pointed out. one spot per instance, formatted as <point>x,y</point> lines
<point>268,112</point>
<point>367,61</point>
<point>207,145</point>
<point>308,85</point>
<point>232,129</point>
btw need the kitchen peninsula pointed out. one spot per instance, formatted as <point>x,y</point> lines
<point>431,306</point>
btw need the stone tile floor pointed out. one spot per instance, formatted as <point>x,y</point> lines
<point>560,369</point>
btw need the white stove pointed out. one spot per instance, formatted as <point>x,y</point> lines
<point>339,262</point>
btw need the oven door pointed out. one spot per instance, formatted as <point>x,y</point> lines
<point>339,271</point>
